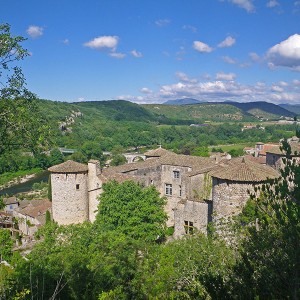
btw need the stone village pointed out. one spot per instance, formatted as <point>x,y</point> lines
<point>198,190</point>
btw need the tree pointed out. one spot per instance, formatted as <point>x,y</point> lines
<point>118,159</point>
<point>270,257</point>
<point>21,124</point>
<point>132,210</point>
<point>56,157</point>
<point>6,244</point>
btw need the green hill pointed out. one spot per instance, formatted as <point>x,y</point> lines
<point>293,108</point>
<point>198,113</point>
<point>261,109</point>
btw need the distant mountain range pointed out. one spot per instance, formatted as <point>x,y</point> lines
<point>184,101</point>
<point>294,108</point>
<point>259,109</point>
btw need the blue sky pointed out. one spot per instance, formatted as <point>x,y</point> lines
<point>149,51</point>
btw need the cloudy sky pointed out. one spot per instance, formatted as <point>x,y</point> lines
<point>149,51</point>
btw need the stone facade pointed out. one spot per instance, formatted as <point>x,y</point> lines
<point>230,197</point>
<point>69,197</point>
<point>195,188</point>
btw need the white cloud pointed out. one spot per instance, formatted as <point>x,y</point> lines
<point>283,83</point>
<point>183,77</point>
<point>136,53</point>
<point>228,42</point>
<point>189,27</point>
<point>218,90</point>
<point>297,3</point>
<point>106,41</point>
<point>225,76</point>
<point>272,3</point>
<point>66,41</point>
<point>229,60</point>
<point>276,88</point>
<point>117,55</point>
<point>254,56</point>
<point>285,54</point>
<point>202,47</point>
<point>145,90</point>
<point>35,31</point>
<point>245,4</point>
<point>162,22</point>
<point>296,82</point>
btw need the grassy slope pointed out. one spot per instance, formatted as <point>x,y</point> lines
<point>200,112</point>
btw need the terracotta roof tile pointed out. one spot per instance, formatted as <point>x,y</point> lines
<point>35,208</point>
<point>242,169</point>
<point>295,148</point>
<point>69,166</point>
<point>157,152</point>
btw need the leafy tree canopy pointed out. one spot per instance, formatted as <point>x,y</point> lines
<point>21,125</point>
<point>130,209</point>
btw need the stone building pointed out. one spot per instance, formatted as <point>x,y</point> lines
<point>75,188</point>
<point>275,154</point>
<point>31,215</point>
<point>186,182</point>
<point>233,182</point>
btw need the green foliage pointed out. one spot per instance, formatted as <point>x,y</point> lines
<point>200,151</point>
<point>6,244</point>
<point>194,268</point>
<point>236,152</point>
<point>270,256</point>
<point>56,157</point>
<point>117,160</point>
<point>49,190</point>
<point>130,209</point>
<point>2,205</point>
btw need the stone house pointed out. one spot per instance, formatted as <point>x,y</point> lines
<point>11,204</point>
<point>189,184</point>
<point>233,182</point>
<point>275,155</point>
<point>31,215</point>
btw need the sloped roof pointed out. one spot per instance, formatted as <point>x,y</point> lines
<point>295,148</point>
<point>259,159</point>
<point>35,208</point>
<point>242,169</point>
<point>197,164</point>
<point>10,200</point>
<point>69,166</point>
<point>159,152</point>
<point>266,148</point>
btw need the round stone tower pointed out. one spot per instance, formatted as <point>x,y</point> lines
<point>232,184</point>
<point>70,203</point>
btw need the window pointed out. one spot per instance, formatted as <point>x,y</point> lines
<point>180,191</point>
<point>168,189</point>
<point>77,187</point>
<point>189,227</point>
<point>176,174</point>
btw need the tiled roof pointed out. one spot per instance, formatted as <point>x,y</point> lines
<point>197,164</point>
<point>259,159</point>
<point>69,166</point>
<point>295,149</point>
<point>242,169</point>
<point>266,148</point>
<point>35,208</point>
<point>10,200</point>
<point>157,152</point>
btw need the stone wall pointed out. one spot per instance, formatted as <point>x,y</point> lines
<point>179,188</point>
<point>274,161</point>
<point>195,213</point>
<point>200,187</point>
<point>69,198</point>
<point>94,188</point>
<point>229,197</point>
